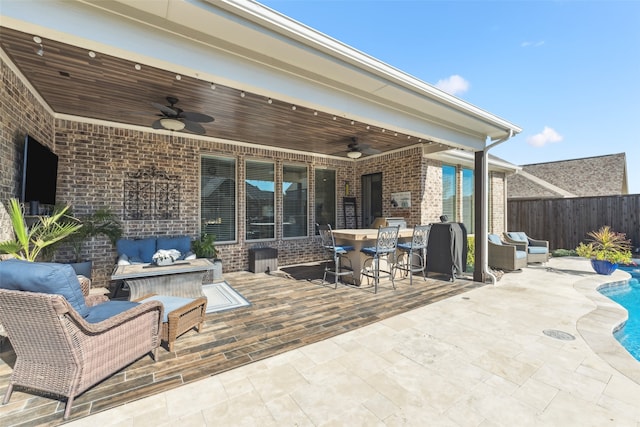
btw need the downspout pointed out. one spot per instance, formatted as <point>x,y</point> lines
<point>485,204</point>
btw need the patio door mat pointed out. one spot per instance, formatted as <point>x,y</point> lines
<point>312,271</point>
<point>221,296</point>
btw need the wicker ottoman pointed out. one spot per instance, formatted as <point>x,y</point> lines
<point>180,315</point>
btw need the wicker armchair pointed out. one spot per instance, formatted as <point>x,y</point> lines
<point>537,250</point>
<point>505,256</point>
<point>60,351</point>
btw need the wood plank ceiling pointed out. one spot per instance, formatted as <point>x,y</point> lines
<point>110,88</point>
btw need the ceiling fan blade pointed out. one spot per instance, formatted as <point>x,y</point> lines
<point>165,109</point>
<point>369,150</point>
<point>157,125</point>
<point>196,117</point>
<point>194,127</point>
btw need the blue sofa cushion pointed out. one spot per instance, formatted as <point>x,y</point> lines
<point>103,311</point>
<point>181,243</point>
<point>521,254</point>
<point>44,277</point>
<point>518,235</point>
<point>170,303</point>
<point>537,249</point>
<point>138,250</point>
<point>494,238</point>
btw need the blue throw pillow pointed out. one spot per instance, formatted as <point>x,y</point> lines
<point>142,249</point>
<point>181,243</point>
<point>108,309</point>
<point>44,277</point>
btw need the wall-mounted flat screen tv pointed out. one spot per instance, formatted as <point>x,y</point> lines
<point>39,173</point>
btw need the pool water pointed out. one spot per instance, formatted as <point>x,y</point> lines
<point>628,296</point>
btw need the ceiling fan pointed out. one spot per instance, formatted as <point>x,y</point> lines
<point>174,118</point>
<point>357,149</point>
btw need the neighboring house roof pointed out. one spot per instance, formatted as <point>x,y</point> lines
<point>589,176</point>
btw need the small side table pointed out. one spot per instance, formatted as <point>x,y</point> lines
<point>180,315</point>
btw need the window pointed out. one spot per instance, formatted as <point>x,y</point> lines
<point>449,192</point>
<point>260,200</point>
<point>325,202</point>
<point>294,201</point>
<point>218,197</point>
<point>468,200</point>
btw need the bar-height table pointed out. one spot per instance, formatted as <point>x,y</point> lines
<point>360,238</point>
<point>182,278</point>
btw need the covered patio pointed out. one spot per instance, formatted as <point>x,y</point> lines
<point>280,94</point>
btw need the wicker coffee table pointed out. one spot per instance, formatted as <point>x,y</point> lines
<point>181,279</point>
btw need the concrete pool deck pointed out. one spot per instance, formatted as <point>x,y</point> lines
<point>481,358</point>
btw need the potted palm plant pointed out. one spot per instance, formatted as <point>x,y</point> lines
<point>606,249</point>
<point>101,222</point>
<point>30,240</point>
<point>205,247</point>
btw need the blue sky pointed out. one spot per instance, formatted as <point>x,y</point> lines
<point>566,72</point>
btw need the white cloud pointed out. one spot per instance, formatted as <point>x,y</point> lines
<point>453,85</point>
<point>532,44</point>
<point>548,135</point>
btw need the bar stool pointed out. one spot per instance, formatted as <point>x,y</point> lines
<point>336,258</point>
<point>385,248</point>
<point>416,248</point>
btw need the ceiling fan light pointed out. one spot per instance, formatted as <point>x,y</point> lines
<point>172,124</point>
<point>354,154</point>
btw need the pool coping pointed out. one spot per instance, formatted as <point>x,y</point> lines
<point>598,326</point>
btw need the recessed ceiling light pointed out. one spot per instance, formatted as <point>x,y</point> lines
<point>213,86</point>
<point>92,54</point>
<point>138,67</point>
<point>178,77</point>
<point>37,39</point>
<point>293,107</point>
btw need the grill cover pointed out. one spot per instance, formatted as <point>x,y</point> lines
<point>447,249</point>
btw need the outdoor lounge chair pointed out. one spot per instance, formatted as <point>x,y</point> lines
<point>65,341</point>
<point>505,256</point>
<point>537,250</point>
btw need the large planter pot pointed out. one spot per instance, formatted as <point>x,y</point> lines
<point>603,267</point>
<point>217,269</point>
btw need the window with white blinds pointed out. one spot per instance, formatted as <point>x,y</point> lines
<point>449,192</point>
<point>468,200</point>
<point>325,196</point>
<point>295,210</point>
<point>260,200</point>
<point>218,197</point>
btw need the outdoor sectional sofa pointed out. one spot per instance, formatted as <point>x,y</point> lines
<point>141,251</point>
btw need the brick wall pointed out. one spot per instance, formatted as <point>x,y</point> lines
<point>20,114</point>
<point>95,159</point>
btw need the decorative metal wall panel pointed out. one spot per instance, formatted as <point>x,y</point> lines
<point>151,194</point>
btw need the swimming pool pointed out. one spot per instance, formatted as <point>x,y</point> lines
<point>628,296</point>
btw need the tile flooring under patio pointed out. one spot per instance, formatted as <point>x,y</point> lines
<point>479,358</point>
<point>287,312</point>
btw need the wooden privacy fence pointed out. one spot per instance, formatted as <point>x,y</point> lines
<point>566,222</point>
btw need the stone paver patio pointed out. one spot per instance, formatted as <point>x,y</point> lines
<point>476,359</point>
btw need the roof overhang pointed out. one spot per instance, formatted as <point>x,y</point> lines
<point>245,45</point>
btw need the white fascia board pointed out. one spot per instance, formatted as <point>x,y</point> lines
<point>465,158</point>
<point>213,48</point>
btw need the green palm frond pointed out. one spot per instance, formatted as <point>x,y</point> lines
<point>30,240</point>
